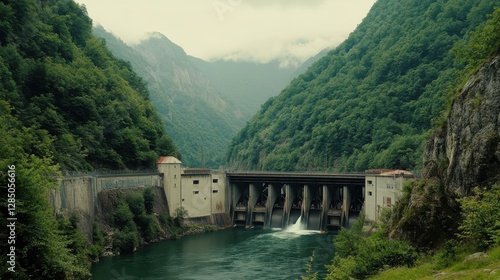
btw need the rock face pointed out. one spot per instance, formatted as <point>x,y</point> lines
<point>466,152</point>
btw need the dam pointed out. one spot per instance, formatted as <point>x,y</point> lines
<point>324,202</point>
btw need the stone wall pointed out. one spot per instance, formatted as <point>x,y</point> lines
<point>78,195</point>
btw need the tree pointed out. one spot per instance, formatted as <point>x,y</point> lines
<point>481,218</point>
<point>179,216</point>
<point>149,200</point>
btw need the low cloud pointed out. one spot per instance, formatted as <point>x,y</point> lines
<point>255,30</point>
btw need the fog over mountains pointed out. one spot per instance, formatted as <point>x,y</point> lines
<point>202,104</point>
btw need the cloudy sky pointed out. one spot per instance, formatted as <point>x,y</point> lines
<point>254,30</point>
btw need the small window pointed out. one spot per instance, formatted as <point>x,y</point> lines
<point>370,193</point>
<point>215,191</point>
<point>370,182</point>
<point>196,192</point>
<point>196,182</point>
<point>387,201</point>
<point>183,199</point>
<point>215,181</point>
<point>175,176</point>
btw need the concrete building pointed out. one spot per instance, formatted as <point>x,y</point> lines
<point>200,191</point>
<point>383,188</point>
<point>203,192</point>
<point>171,169</point>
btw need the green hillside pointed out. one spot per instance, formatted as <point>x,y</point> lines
<point>370,102</point>
<point>246,85</point>
<point>65,104</point>
<point>62,82</point>
<point>202,104</point>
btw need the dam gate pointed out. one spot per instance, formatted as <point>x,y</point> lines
<point>323,202</point>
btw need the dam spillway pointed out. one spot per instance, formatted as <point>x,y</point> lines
<point>325,202</point>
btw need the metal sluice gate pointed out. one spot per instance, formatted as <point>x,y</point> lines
<point>325,204</point>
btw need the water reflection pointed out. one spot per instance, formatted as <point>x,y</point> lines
<point>234,253</point>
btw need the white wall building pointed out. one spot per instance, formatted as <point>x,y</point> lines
<point>202,192</point>
<point>382,189</point>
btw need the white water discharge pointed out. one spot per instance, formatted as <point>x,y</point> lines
<point>294,231</point>
<point>298,226</point>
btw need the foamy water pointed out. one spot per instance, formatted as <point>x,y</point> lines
<point>293,231</point>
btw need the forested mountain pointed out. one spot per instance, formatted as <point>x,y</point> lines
<point>304,66</point>
<point>200,121</point>
<point>62,82</point>
<point>202,104</point>
<point>65,104</point>
<point>246,85</point>
<point>369,102</point>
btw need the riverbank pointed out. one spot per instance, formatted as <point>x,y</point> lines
<point>466,266</point>
<point>128,219</point>
<point>185,230</point>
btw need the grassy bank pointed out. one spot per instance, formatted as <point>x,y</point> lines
<point>485,267</point>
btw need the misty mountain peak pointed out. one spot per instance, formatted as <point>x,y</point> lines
<point>159,43</point>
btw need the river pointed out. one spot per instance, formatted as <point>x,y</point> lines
<point>234,253</point>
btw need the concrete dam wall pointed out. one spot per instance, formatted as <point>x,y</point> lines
<point>79,195</point>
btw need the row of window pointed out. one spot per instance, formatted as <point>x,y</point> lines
<point>214,191</point>
<point>196,182</point>
<point>390,186</point>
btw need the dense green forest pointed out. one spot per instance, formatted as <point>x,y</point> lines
<point>65,104</point>
<point>199,120</point>
<point>202,104</point>
<point>370,102</point>
<point>58,78</point>
<point>431,233</point>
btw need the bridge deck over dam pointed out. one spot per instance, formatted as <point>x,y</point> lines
<point>296,177</point>
<point>322,201</point>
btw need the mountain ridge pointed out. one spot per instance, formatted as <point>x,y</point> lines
<point>368,103</point>
<point>202,104</point>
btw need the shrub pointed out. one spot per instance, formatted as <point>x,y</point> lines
<point>447,255</point>
<point>135,202</point>
<point>98,235</point>
<point>373,253</point>
<point>94,252</point>
<point>165,220</point>
<point>310,275</point>
<point>123,217</point>
<point>125,241</point>
<point>347,240</point>
<point>357,256</point>
<point>149,200</point>
<point>180,215</point>
<point>481,218</point>
<point>150,228</point>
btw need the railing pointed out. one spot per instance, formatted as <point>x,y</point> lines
<point>102,173</point>
<point>266,172</point>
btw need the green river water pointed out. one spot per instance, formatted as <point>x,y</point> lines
<point>234,253</point>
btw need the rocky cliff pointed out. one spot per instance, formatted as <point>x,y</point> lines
<point>466,152</point>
